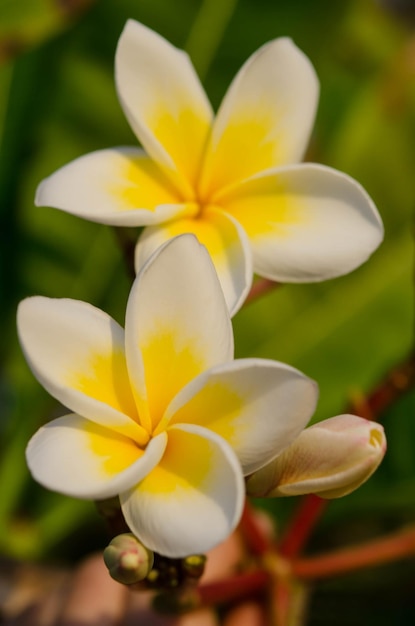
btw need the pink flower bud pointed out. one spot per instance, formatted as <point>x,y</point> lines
<point>128,561</point>
<point>330,459</point>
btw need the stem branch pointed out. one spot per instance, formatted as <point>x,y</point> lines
<point>239,586</point>
<point>254,537</point>
<point>308,513</point>
<point>396,546</point>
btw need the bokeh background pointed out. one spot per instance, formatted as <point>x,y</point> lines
<point>58,101</point>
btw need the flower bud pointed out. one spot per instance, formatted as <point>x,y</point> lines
<point>193,566</point>
<point>128,561</point>
<point>330,459</point>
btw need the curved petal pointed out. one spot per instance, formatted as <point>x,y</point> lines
<point>74,456</point>
<point>306,223</point>
<point>164,102</point>
<point>265,118</point>
<point>177,324</point>
<point>77,353</point>
<point>226,242</point>
<point>330,459</point>
<point>192,500</point>
<point>258,406</point>
<point>118,186</point>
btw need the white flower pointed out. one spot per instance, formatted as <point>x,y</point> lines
<point>162,415</point>
<point>234,181</point>
<point>330,459</point>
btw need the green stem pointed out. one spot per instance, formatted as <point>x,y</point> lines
<point>207,32</point>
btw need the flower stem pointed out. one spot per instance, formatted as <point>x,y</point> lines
<point>396,546</point>
<point>256,540</point>
<point>393,386</point>
<point>281,600</point>
<point>260,288</point>
<point>310,509</point>
<point>239,586</point>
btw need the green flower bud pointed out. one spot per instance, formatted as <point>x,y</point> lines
<point>128,561</point>
<point>194,566</point>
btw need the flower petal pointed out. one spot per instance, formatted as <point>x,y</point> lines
<point>164,101</point>
<point>177,324</point>
<point>119,186</point>
<point>258,406</point>
<point>74,456</point>
<point>226,242</point>
<point>77,353</point>
<point>306,223</point>
<point>265,118</point>
<point>330,459</point>
<point>192,500</point>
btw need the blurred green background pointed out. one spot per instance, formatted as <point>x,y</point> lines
<point>57,102</point>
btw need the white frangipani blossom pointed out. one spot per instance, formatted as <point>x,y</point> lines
<point>330,459</point>
<point>161,413</point>
<point>234,180</point>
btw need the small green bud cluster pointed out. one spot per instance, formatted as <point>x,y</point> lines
<point>130,562</point>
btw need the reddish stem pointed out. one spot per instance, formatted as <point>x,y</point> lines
<point>233,588</point>
<point>255,538</point>
<point>391,548</point>
<point>310,509</point>
<point>260,288</point>
<point>281,602</point>
<point>395,384</point>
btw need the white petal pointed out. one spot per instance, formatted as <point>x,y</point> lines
<point>77,353</point>
<point>177,323</point>
<point>258,406</point>
<point>163,100</point>
<point>306,223</point>
<point>118,186</point>
<point>227,245</point>
<point>73,456</point>
<point>192,500</point>
<point>265,118</point>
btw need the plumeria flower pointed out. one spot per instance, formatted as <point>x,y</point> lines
<point>162,415</point>
<point>233,180</point>
<point>330,459</point>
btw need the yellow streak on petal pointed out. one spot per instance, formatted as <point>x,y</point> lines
<point>142,185</point>
<point>184,137</point>
<point>115,451</point>
<point>248,145</point>
<point>105,378</point>
<point>218,235</point>
<point>218,407</point>
<point>185,466</point>
<point>268,212</point>
<point>171,360</point>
